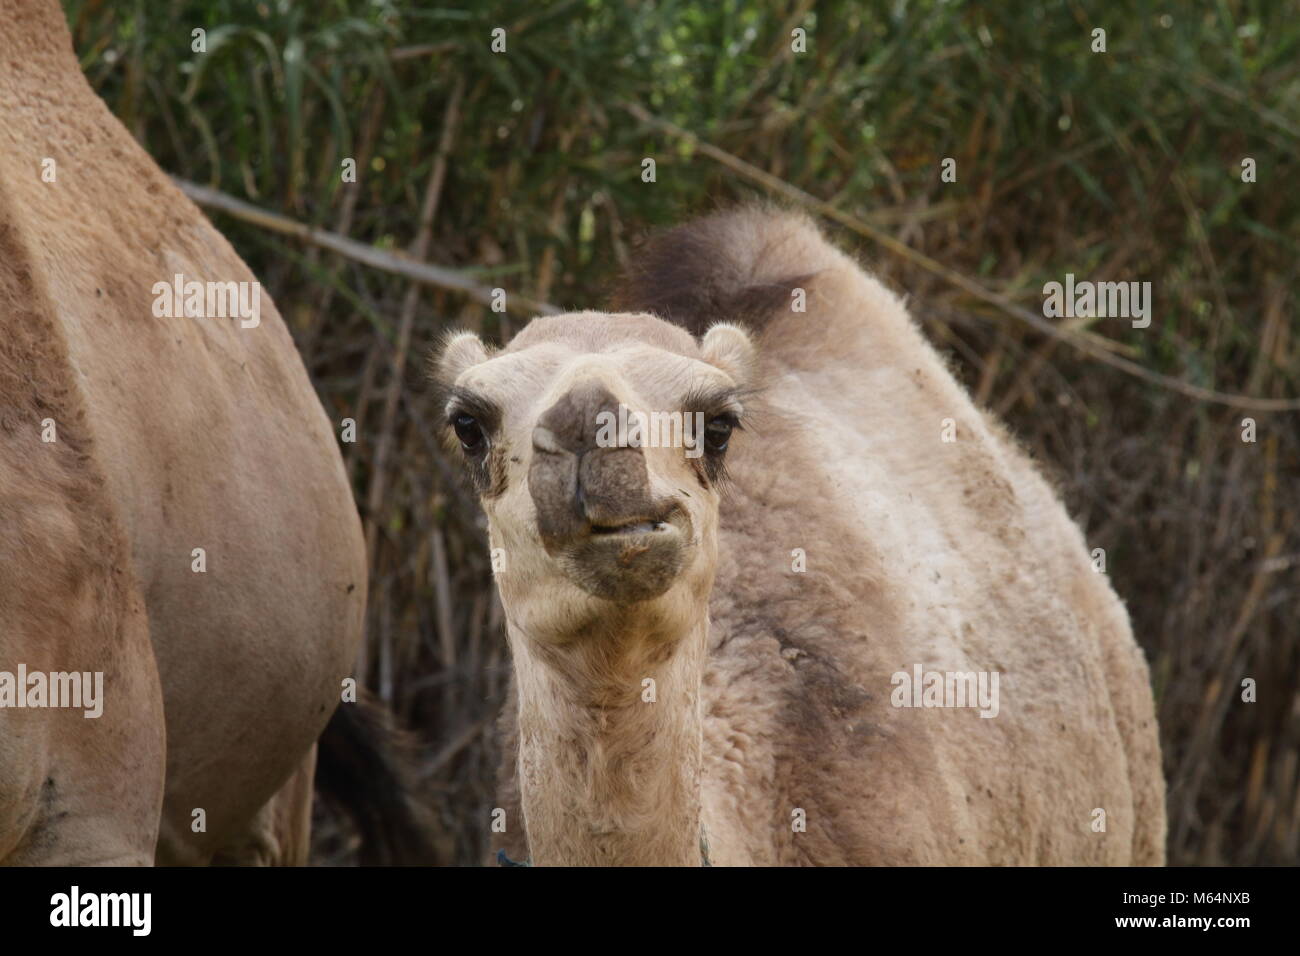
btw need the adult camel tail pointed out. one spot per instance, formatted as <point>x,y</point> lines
<point>366,767</point>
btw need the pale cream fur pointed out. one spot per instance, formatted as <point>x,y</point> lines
<point>774,686</point>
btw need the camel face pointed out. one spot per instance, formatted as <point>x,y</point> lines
<point>597,443</point>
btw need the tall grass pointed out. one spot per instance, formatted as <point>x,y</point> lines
<point>1124,165</point>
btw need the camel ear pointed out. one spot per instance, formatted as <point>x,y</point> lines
<point>460,351</point>
<point>730,348</point>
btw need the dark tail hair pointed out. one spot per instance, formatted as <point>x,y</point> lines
<point>365,766</point>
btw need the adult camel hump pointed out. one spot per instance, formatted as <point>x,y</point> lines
<point>128,441</point>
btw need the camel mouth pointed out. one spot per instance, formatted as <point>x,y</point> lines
<point>634,527</point>
<point>666,520</point>
<point>633,560</point>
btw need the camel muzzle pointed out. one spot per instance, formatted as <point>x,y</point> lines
<point>595,508</point>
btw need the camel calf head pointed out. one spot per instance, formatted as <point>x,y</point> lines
<point>597,444</point>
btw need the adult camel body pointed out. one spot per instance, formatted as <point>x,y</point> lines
<point>710,636</point>
<point>128,441</point>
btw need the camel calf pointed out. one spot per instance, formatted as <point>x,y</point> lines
<point>858,627</point>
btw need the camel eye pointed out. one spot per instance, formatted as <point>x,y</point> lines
<point>469,432</point>
<point>718,432</point>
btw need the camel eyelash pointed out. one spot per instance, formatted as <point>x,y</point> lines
<point>716,403</point>
<point>461,401</point>
<point>733,418</point>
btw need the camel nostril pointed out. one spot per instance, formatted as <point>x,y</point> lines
<point>547,442</point>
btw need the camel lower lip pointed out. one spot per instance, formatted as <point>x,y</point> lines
<point>639,527</point>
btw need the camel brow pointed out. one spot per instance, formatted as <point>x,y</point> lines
<point>712,399</point>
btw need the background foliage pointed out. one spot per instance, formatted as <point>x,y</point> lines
<point>1122,166</point>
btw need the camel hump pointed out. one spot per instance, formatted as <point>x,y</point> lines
<point>741,265</point>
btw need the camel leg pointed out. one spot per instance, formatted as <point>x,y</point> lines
<point>75,790</point>
<point>280,833</point>
<point>85,792</point>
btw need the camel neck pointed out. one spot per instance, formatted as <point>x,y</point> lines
<point>610,741</point>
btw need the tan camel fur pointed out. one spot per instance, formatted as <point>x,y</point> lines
<point>171,434</point>
<point>707,649</point>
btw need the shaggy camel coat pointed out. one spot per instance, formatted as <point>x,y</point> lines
<point>956,556</point>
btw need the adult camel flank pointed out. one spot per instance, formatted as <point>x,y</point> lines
<point>708,641</point>
<point>168,435</point>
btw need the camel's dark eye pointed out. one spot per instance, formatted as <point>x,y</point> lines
<point>718,432</point>
<point>468,431</point>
